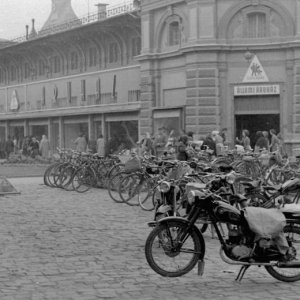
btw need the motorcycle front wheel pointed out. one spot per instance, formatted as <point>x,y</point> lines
<point>292,235</point>
<point>164,254</point>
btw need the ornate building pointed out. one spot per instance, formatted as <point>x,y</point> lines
<point>203,65</point>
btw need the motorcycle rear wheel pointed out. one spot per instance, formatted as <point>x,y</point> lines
<point>165,259</point>
<point>292,234</point>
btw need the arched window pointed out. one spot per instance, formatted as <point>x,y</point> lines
<point>113,52</point>
<point>74,61</point>
<point>135,46</point>
<point>41,67</point>
<point>257,25</point>
<point>26,70</point>
<point>55,64</point>
<point>13,73</point>
<point>92,57</point>
<point>174,33</point>
<point>2,76</point>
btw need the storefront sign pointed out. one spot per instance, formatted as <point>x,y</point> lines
<point>14,101</point>
<point>255,72</point>
<point>252,90</point>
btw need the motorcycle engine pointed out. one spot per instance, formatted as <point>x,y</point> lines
<point>241,251</point>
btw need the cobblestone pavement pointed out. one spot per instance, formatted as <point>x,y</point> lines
<point>62,245</point>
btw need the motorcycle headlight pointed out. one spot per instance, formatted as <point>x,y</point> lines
<point>230,178</point>
<point>164,186</point>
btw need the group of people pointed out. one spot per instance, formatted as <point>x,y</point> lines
<point>29,146</point>
<point>215,142</point>
<point>265,140</point>
<point>83,145</point>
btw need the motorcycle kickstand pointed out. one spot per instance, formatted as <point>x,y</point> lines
<point>242,273</point>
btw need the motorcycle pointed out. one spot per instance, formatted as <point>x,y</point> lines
<point>176,245</point>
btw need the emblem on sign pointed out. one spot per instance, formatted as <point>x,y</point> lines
<point>14,101</point>
<point>255,72</point>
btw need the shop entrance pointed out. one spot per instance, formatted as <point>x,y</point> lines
<point>39,130</point>
<point>121,135</point>
<point>254,123</point>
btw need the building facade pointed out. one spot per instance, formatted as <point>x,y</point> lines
<point>186,65</point>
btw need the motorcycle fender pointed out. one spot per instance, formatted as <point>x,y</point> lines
<point>195,228</point>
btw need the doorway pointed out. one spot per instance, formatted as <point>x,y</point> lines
<point>254,123</point>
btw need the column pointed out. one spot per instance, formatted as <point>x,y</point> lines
<point>61,132</point>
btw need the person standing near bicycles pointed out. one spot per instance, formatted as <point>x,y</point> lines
<point>275,143</point>
<point>261,142</point>
<point>101,145</point>
<point>245,141</point>
<point>160,142</point>
<point>81,143</point>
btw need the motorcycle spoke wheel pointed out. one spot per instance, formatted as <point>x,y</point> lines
<point>292,234</point>
<point>165,256</point>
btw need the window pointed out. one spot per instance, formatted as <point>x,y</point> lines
<point>257,26</point>
<point>113,53</point>
<point>41,68</point>
<point>135,46</point>
<point>93,57</point>
<point>55,64</point>
<point>26,70</point>
<point>13,73</point>
<point>174,33</point>
<point>74,61</point>
<point>2,76</point>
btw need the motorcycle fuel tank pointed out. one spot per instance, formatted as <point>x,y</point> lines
<point>227,213</point>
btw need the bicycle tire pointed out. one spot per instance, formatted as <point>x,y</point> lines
<point>113,187</point>
<point>84,179</point>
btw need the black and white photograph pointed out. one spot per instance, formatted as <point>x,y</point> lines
<point>149,149</point>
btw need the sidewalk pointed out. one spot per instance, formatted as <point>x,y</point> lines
<point>11,170</point>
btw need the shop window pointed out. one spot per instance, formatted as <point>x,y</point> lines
<point>174,33</point>
<point>92,57</point>
<point>113,53</point>
<point>26,70</point>
<point>13,73</point>
<point>74,61</point>
<point>257,26</point>
<point>41,68</point>
<point>135,46</point>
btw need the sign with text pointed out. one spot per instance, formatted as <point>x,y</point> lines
<point>252,90</point>
<point>255,72</point>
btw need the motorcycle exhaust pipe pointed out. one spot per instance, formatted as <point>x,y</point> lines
<point>290,264</point>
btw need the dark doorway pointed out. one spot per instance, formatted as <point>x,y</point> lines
<point>256,123</point>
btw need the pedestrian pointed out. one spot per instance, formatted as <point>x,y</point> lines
<point>275,143</point>
<point>2,148</point>
<point>282,148</point>
<point>34,147</point>
<point>9,147</point>
<point>209,145</point>
<point>15,142</point>
<point>266,135</point>
<point>261,142</point>
<point>181,149</point>
<point>160,142</point>
<point>81,143</point>
<point>101,145</point>
<point>245,140</point>
<point>25,146</point>
<point>44,147</point>
<point>218,141</point>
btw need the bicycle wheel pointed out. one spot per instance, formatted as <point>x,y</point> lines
<point>48,173</point>
<point>166,255</point>
<point>115,170</point>
<point>292,235</point>
<point>132,187</point>
<point>113,186</point>
<point>83,179</point>
<point>67,178</point>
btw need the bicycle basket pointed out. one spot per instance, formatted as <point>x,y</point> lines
<point>132,165</point>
